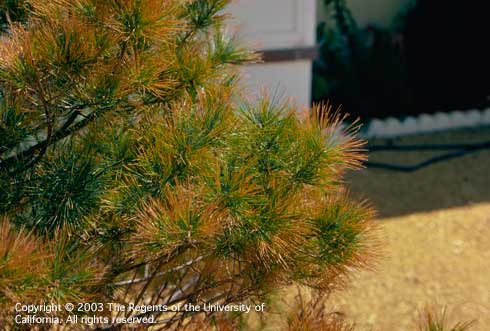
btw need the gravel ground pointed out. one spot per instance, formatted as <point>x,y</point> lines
<point>437,227</point>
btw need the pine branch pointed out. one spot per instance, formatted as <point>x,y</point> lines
<point>35,152</point>
<point>144,279</point>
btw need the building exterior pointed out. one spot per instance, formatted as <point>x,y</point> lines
<point>284,31</point>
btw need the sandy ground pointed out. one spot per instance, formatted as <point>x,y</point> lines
<point>458,182</point>
<point>436,223</point>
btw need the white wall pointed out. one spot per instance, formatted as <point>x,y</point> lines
<point>289,80</point>
<point>277,24</point>
<point>273,24</point>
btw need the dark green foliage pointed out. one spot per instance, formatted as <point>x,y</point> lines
<point>339,229</point>
<point>73,274</point>
<point>12,11</point>
<point>65,190</point>
<point>12,126</point>
<point>203,14</point>
<point>364,69</point>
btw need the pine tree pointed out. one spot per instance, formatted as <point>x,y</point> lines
<point>133,170</point>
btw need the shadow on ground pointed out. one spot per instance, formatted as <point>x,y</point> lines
<point>454,183</point>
